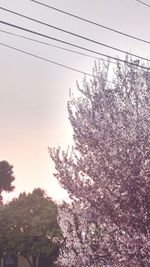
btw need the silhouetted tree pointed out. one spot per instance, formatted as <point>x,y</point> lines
<point>6,177</point>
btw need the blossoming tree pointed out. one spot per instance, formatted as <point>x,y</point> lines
<point>107,172</point>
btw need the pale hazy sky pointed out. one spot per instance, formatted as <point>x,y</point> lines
<point>33,93</point>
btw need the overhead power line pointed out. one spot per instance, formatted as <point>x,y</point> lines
<point>56,46</point>
<point>92,22</point>
<point>143,3</point>
<point>73,34</point>
<point>77,46</point>
<point>53,62</point>
<point>58,40</point>
<point>45,59</point>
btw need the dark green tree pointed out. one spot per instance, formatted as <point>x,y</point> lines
<point>3,231</point>
<point>31,228</point>
<point>6,177</point>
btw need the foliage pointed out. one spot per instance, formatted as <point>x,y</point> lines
<point>3,231</point>
<point>107,172</point>
<point>31,227</point>
<point>6,177</point>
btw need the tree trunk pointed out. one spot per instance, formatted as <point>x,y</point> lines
<point>29,261</point>
<point>35,261</point>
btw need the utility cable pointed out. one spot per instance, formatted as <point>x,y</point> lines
<point>91,22</point>
<point>58,40</point>
<point>56,46</point>
<point>143,3</point>
<point>77,46</point>
<point>45,59</point>
<point>53,62</point>
<point>73,34</point>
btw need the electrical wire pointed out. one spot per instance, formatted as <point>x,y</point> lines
<point>45,59</point>
<point>56,46</point>
<point>53,62</point>
<point>143,3</point>
<point>73,34</point>
<point>58,40</point>
<point>77,46</point>
<point>91,22</point>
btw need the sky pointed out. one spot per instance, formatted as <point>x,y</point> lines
<point>34,93</point>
